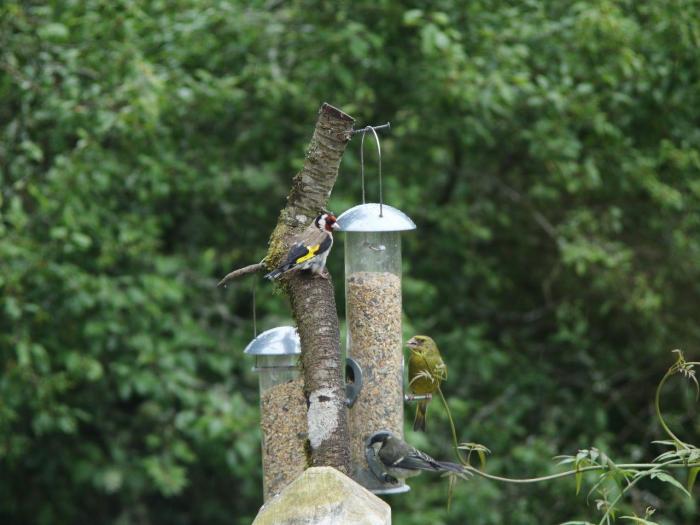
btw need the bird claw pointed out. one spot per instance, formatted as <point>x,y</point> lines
<point>324,274</point>
<point>388,478</point>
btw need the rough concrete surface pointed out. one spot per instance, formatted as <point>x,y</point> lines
<point>324,496</point>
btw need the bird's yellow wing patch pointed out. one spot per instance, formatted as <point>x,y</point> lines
<point>311,253</point>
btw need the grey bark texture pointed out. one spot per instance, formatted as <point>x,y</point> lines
<point>312,298</point>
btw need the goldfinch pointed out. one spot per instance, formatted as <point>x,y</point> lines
<point>310,249</point>
<point>426,370</point>
<point>392,459</point>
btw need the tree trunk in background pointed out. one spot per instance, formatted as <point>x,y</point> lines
<point>312,298</point>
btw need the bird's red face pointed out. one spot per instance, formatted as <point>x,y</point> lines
<point>327,222</point>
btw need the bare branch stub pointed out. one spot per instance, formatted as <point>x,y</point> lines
<point>312,298</point>
<point>252,268</point>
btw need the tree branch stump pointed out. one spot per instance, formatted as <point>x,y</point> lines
<point>312,298</point>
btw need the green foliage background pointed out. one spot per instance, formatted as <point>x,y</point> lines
<point>548,151</point>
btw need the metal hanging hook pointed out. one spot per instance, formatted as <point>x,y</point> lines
<point>362,166</point>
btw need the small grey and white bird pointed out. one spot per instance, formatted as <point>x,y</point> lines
<point>310,249</point>
<point>394,459</point>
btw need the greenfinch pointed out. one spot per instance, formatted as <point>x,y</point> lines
<point>426,370</point>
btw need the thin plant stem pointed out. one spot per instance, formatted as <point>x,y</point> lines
<point>675,464</point>
<point>531,480</point>
<point>452,428</point>
<point>657,400</point>
<point>657,405</point>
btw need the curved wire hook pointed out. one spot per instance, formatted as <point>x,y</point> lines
<point>362,166</point>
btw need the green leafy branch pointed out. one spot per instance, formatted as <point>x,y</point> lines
<point>622,476</point>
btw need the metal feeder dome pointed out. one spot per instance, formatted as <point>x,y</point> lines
<point>375,217</point>
<point>282,340</point>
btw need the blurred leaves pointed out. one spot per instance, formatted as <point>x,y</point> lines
<point>548,152</point>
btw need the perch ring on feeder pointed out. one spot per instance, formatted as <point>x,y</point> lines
<point>353,381</point>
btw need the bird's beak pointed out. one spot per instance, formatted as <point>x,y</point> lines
<point>411,343</point>
<point>336,226</point>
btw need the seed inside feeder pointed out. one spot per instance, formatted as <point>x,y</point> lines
<point>374,341</point>
<point>283,424</point>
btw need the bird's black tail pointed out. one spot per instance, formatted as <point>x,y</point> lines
<point>275,274</point>
<point>446,466</point>
<point>451,467</point>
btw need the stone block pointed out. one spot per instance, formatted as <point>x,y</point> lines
<point>324,496</point>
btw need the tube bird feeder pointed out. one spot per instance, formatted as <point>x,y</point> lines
<point>374,335</point>
<point>282,407</point>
